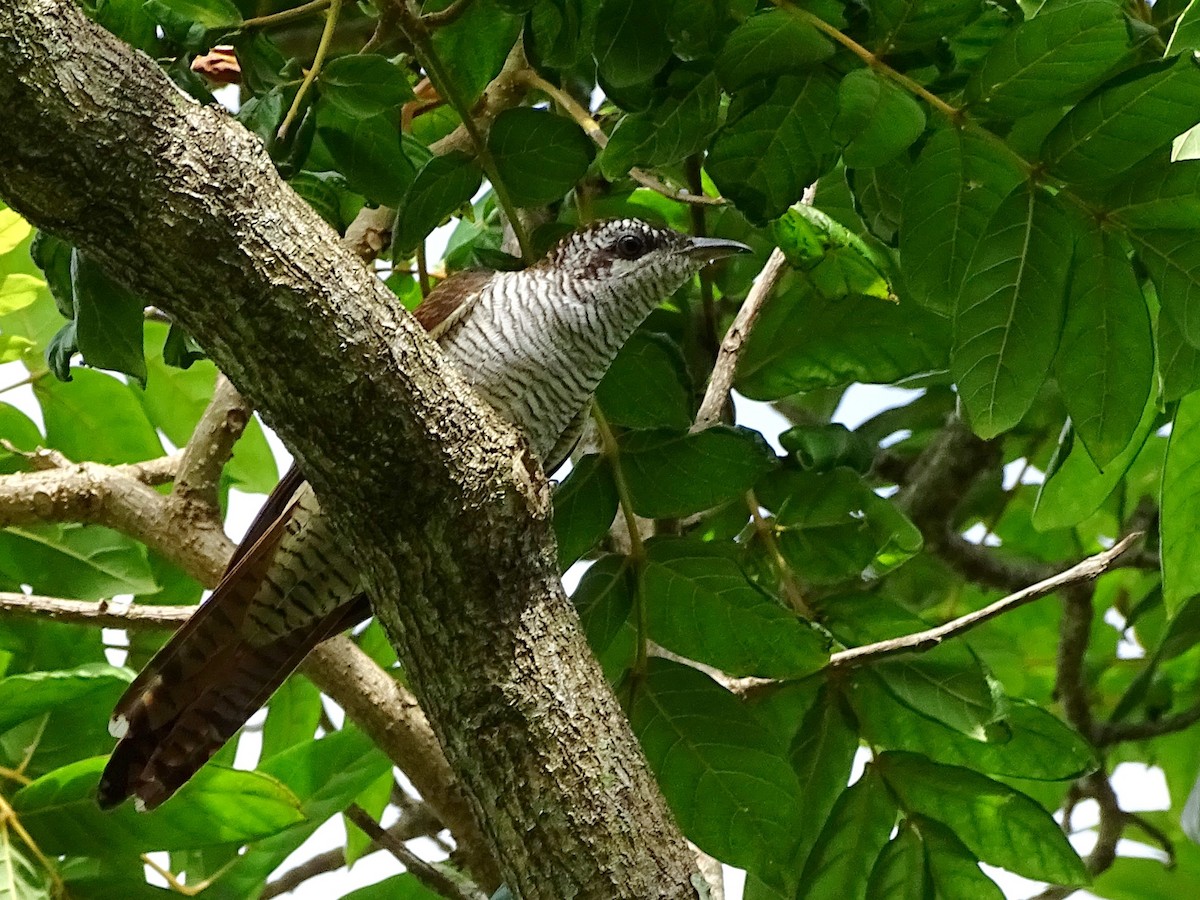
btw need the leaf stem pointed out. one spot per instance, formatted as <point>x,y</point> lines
<point>418,35</point>
<point>952,113</point>
<point>637,548</point>
<point>286,15</point>
<point>331,19</point>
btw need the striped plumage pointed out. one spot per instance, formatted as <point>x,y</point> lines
<point>534,344</point>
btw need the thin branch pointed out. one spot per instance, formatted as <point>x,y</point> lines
<point>1088,569</point>
<point>592,129</point>
<point>950,112</point>
<point>432,876</point>
<point>418,34</point>
<point>1071,683</point>
<point>100,615</point>
<point>286,15</point>
<point>1112,825</point>
<point>211,446</point>
<point>721,381</point>
<point>1116,732</point>
<point>331,20</point>
<point>446,16</point>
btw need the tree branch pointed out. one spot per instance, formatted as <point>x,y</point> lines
<point>1088,569</point>
<point>448,516</point>
<point>721,381</point>
<point>433,877</point>
<point>211,446</point>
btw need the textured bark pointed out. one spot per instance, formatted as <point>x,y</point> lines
<point>448,514</point>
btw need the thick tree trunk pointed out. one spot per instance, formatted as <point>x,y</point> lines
<point>449,515</point>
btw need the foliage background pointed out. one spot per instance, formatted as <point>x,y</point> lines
<point>1004,220</point>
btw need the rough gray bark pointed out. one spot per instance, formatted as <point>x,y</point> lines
<point>449,515</point>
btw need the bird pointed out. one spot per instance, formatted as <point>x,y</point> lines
<point>533,344</point>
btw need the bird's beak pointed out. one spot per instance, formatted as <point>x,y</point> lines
<point>709,249</point>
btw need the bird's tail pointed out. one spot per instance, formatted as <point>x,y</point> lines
<point>172,726</point>
<point>273,605</point>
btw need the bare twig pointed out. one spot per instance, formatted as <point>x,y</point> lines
<point>1071,678</point>
<point>1116,732</point>
<point>211,446</point>
<point>1112,824</point>
<point>1088,569</point>
<point>434,877</point>
<point>101,615</point>
<point>719,385</point>
<point>419,822</point>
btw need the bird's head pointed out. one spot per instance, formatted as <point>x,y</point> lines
<point>634,259</point>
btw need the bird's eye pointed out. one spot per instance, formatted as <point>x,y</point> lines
<point>631,246</point>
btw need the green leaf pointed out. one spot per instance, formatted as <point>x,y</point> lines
<point>857,829</point>
<point>720,769</point>
<point>443,185</point>
<point>1159,196</point>
<point>32,694</point>
<point>1010,311</point>
<point>770,44</point>
<point>1186,35</point>
<point>21,878</point>
<point>54,256</point>
<point>700,605</point>
<point>1178,360</point>
<point>1105,360</point>
<point>822,755</point>
<point>19,291</point>
<point>539,155</point>
<point>876,119</point>
<point>1173,259</point>
<point>805,341</point>
<point>631,42</point>
<point>822,448</point>
<point>604,599</point>
<point>998,824</point>
<point>832,526</point>
<point>585,505</point>
<point>13,230</point>
<point>86,562</point>
<point>218,806</point>
<point>472,49</point>
<point>190,21</point>
<point>180,350</point>
<point>647,385</point>
<point>398,887</point>
<point>954,190</point>
<point>676,126</point>
<point>898,25</point>
<point>376,161</point>
<point>1027,743</point>
<point>775,143</point>
<point>899,872</point>
<point>837,261</point>
<point>1132,116</point>
<point>108,320</point>
<point>364,85</point>
<point>1075,487</point>
<point>1024,70</point>
<point>20,431</point>
<point>947,683</point>
<point>953,869</point>
<point>96,417</point>
<point>326,775</point>
<point>292,716</point>
<point>721,463</point>
<point>1180,504</point>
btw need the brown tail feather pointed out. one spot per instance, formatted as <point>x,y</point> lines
<point>156,756</point>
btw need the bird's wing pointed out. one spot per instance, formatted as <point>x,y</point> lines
<point>448,303</point>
